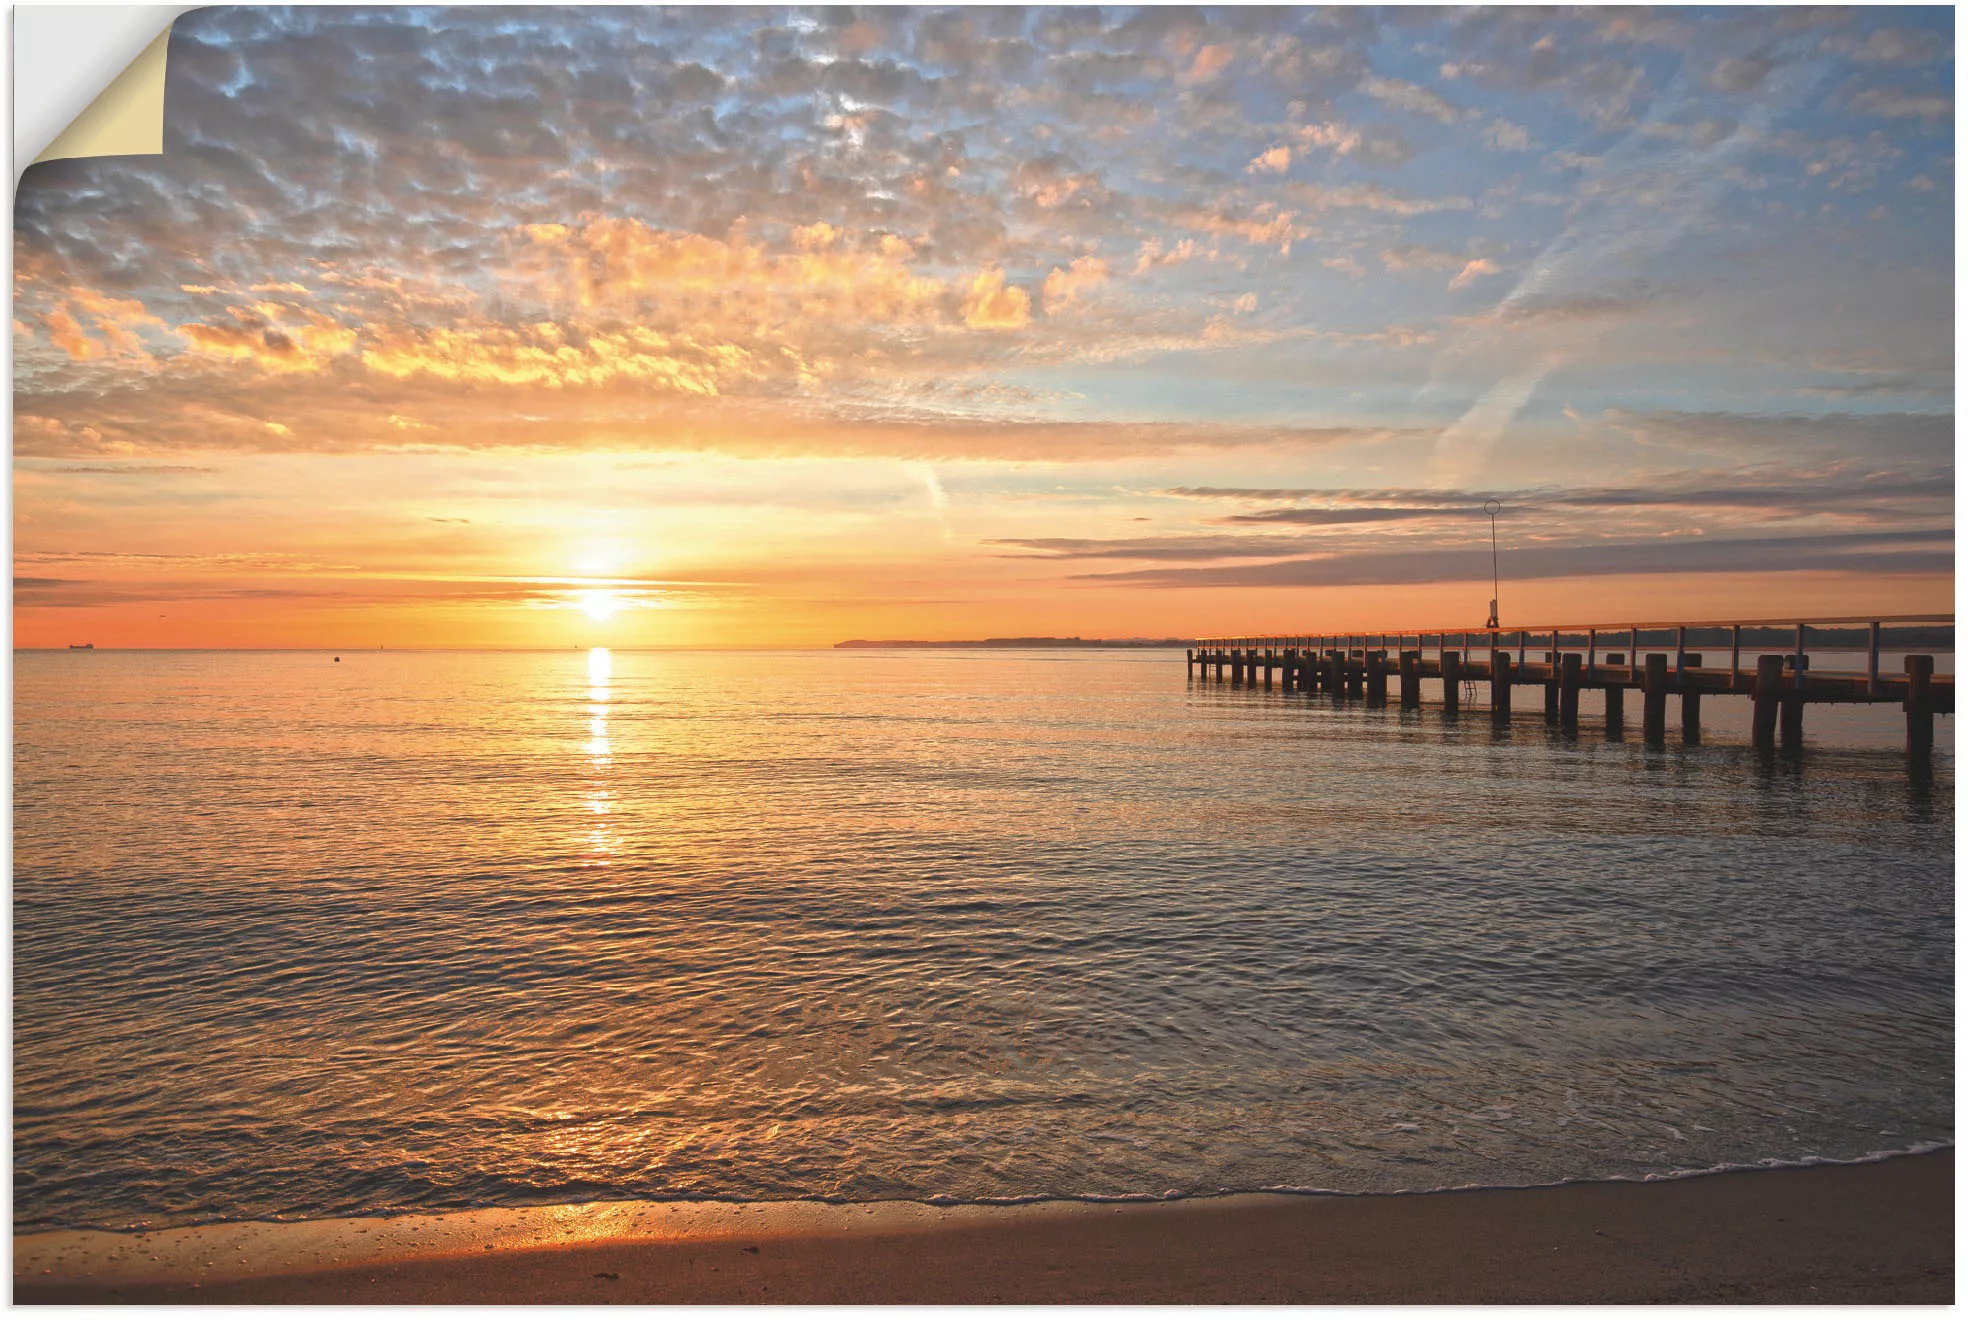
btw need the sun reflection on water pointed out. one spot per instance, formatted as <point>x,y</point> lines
<point>599,800</point>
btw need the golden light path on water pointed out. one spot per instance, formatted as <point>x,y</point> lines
<point>599,798</point>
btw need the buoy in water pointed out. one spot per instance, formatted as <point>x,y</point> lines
<point>338,659</point>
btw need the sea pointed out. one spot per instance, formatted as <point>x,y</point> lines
<point>298,936</point>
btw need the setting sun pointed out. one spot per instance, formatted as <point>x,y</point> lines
<point>599,605</point>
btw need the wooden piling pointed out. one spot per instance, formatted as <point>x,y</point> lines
<point>1919,709</point>
<point>1551,686</point>
<point>1451,682</point>
<point>1790,715</point>
<point>1691,703</point>
<point>1500,677</point>
<point>1615,698</point>
<point>1568,693</point>
<point>1410,680</point>
<point>1335,674</point>
<point>1376,666</point>
<point>1766,700</point>
<point>1653,700</point>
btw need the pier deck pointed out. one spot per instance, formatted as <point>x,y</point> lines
<point>1565,659</point>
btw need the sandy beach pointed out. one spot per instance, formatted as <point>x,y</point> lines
<point>1881,1232</point>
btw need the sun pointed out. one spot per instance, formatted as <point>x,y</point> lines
<point>599,605</point>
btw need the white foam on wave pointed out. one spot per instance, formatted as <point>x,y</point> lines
<point>1295,1189</point>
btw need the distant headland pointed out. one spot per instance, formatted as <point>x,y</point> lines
<point>1023,644</point>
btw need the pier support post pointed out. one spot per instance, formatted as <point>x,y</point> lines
<point>1410,680</point>
<point>1568,693</point>
<point>1919,707</point>
<point>1356,674</point>
<point>1615,700</point>
<point>1653,700</point>
<point>1766,699</point>
<point>1336,674</point>
<point>1270,663</point>
<point>1790,722</point>
<point>1376,666</point>
<point>1500,677</point>
<point>1691,704</point>
<point>1551,696</point>
<point>1451,682</point>
<point>1189,661</point>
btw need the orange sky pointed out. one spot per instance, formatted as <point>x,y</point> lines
<point>644,328</point>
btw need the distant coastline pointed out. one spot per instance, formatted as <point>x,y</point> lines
<point>1023,644</point>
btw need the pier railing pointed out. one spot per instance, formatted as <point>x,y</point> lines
<point>1565,658</point>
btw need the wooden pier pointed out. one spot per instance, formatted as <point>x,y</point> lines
<point>1564,659</point>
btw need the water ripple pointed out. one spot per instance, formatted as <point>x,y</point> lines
<point>433,931</point>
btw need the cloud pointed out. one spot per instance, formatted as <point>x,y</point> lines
<point>1742,73</point>
<point>112,330</point>
<point>620,265</point>
<point>1065,286</point>
<point>1260,226</point>
<point>1150,549</point>
<point>1924,551</point>
<point>1151,254</point>
<point>1475,270</point>
<point>1418,256</point>
<point>1340,516</point>
<point>1210,61</point>
<point>1502,135</point>
<point>130,469</point>
<point>1275,161</point>
<point>1370,197</point>
<point>990,305</point>
<point>272,338</point>
<point>1879,436</point>
<point>550,356</point>
<point>1407,96</point>
<point>1894,103</point>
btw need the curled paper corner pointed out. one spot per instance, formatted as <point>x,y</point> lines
<point>127,119</point>
<point>62,54</point>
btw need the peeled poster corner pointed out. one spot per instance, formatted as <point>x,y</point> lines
<point>89,81</point>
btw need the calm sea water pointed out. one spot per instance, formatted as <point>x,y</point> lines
<point>418,931</point>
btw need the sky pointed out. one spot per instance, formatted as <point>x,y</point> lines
<point>731,327</point>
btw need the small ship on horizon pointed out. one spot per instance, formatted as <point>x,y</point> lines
<point>81,646</point>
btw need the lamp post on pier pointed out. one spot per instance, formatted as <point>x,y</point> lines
<point>1493,508</point>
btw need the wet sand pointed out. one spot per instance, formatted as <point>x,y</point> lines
<point>1879,1232</point>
